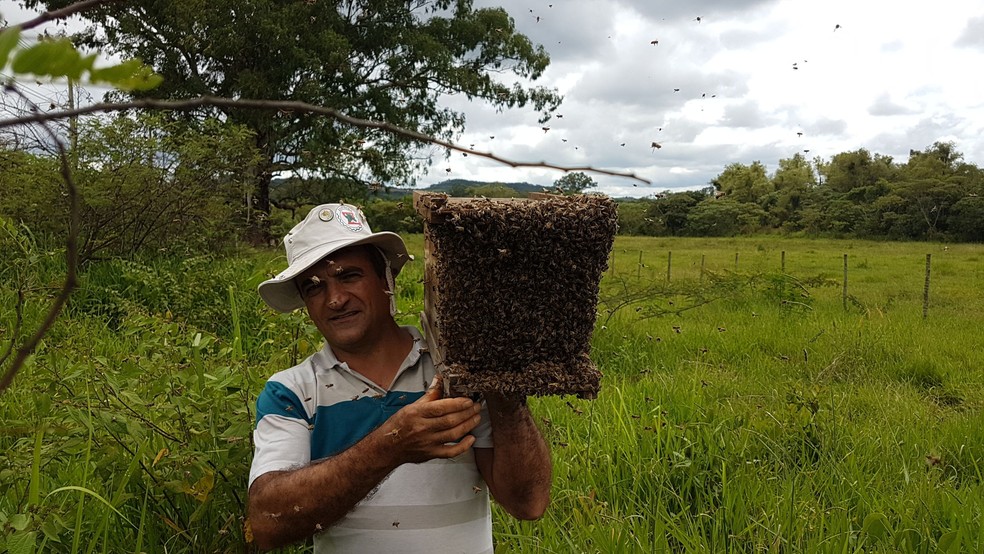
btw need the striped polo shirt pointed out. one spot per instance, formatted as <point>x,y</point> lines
<point>321,407</point>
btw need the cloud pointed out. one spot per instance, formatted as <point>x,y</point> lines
<point>973,34</point>
<point>676,12</point>
<point>884,106</point>
<point>745,114</point>
<point>560,26</point>
<point>919,136</point>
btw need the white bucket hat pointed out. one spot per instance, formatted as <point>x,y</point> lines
<point>326,229</point>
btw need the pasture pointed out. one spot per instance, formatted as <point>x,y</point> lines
<point>748,407</point>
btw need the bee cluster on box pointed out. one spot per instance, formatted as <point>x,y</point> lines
<point>511,290</point>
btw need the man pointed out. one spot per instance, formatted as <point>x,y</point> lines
<point>356,445</point>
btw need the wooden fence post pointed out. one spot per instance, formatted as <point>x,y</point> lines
<point>844,294</point>
<point>736,262</point>
<point>702,268</point>
<point>669,264</point>
<point>782,264</point>
<point>926,287</point>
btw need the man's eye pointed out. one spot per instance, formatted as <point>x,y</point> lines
<point>311,287</point>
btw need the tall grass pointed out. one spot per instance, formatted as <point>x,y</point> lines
<point>742,409</point>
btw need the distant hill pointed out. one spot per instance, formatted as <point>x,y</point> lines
<point>391,193</point>
<point>282,187</point>
<point>446,186</point>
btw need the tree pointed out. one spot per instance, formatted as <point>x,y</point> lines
<point>744,183</point>
<point>574,183</point>
<point>669,212</point>
<point>792,182</point>
<point>383,60</point>
<point>850,170</point>
<point>145,184</point>
<point>395,216</point>
<point>723,218</point>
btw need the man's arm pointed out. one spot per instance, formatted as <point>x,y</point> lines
<point>288,506</point>
<point>518,468</point>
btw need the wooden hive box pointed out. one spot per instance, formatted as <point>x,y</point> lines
<point>511,290</point>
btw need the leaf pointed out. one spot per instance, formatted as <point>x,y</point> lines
<point>8,41</point>
<point>202,488</point>
<point>161,454</point>
<point>22,543</point>
<point>908,540</point>
<point>876,526</point>
<point>129,75</point>
<point>20,521</point>
<point>95,495</point>
<point>54,58</point>
<point>51,529</point>
<point>950,542</point>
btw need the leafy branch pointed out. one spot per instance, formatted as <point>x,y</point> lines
<point>295,107</point>
<point>63,13</point>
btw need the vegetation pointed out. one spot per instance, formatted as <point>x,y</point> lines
<point>380,60</point>
<point>748,403</point>
<point>146,184</point>
<point>575,182</point>
<point>932,196</point>
<point>743,407</point>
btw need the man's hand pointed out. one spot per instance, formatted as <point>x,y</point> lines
<point>432,427</point>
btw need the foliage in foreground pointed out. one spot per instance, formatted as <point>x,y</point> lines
<point>743,408</point>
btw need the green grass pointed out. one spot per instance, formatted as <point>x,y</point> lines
<point>742,409</point>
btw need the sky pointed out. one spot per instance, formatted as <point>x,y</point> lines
<point>729,81</point>
<point>758,80</point>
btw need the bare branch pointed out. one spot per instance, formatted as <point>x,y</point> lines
<point>291,106</point>
<point>64,13</point>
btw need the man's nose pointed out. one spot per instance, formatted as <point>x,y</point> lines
<point>336,297</point>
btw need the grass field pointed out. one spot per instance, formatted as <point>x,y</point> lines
<point>748,407</point>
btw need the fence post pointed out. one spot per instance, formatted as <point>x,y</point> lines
<point>702,268</point>
<point>782,264</point>
<point>926,287</point>
<point>736,262</point>
<point>639,269</point>
<point>669,264</point>
<point>844,294</point>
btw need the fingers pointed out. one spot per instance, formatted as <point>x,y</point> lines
<point>433,427</point>
<point>455,449</point>
<point>434,392</point>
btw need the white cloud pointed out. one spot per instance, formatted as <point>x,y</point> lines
<point>751,75</point>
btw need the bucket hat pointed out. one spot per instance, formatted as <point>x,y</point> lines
<point>326,229</point>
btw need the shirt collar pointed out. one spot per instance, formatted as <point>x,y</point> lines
<point>330,361</point>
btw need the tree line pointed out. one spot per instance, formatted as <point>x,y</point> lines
<point>934,195</point>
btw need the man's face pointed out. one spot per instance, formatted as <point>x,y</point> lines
<point>346,299</point>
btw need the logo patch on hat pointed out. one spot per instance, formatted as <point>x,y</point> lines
<point>325,215</point>
<point>349,218</point>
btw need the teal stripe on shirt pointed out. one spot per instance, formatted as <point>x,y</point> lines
<point>339,426</point>
<point>277,399</point>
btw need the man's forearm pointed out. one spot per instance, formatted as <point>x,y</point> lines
<point>521,467</point>
<point>288,506</point>
<point>291,505</point>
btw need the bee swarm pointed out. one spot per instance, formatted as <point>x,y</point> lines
<point>511,290</point>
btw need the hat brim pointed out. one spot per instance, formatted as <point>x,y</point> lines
<point>280,293</point>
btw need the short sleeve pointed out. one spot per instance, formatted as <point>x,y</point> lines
<point>282,437</point>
